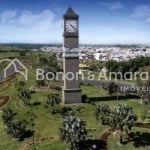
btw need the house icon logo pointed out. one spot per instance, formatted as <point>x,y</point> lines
<point>14,66</point>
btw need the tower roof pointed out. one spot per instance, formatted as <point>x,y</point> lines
<point>70,14</point>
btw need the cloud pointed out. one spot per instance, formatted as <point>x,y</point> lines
<point>7,15</point>
<point>112,5</point>
<point>142,11</point>
<point>27,26</point>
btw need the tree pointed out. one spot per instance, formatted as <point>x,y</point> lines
<point>122,119</point>
<point>16,128</point>
<point>132,65</point>
<point>95,65</point>
<point>40,83</point>
<point>32,123</point>
<point>49,61</point>
<point>25,96</point>
<point>22,53</point>
<point>144,84</point>
<point>7,115</point>
<point>43,61</point>
<point>53,100</point>
<point>102,112</point>
<point>123,68</point>
<point>73,131</point>
<point>147,96</point>
<point>113,88</point>
<point>112,66</point>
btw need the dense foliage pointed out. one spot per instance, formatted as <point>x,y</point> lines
<point>73,131</point>
<point>53,100</point>
<point>121,117</point>
<point>16,128</point>
<point>132,65</point>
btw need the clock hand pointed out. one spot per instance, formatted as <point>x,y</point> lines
<point>72,26</point>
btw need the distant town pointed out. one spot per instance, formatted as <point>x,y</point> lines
<point>104,53</point>
<point>94,52</point>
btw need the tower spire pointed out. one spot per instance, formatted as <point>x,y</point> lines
<point>70,14</point>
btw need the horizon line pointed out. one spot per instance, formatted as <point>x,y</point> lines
<point>57,43</point>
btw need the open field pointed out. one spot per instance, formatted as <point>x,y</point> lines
<point>47,125</point>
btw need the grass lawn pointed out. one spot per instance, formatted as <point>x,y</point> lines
<point>92,91</point>
<point>50,145</point>
<point>10,54</point>
<point>47,125</point>
<point>132,145</point>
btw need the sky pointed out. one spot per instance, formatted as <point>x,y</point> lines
<point>101,21</point>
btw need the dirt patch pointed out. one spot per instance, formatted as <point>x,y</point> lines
<point>104,138</point>
<point>3,100</point>
<point>8,80</point>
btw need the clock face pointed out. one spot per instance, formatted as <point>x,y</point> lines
<point>71,25</point>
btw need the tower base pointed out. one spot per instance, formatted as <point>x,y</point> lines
<point>71,96</point>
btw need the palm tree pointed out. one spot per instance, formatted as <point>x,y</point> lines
<point>53,100</point>
<point>102,112</point>
<point>7,115</point>
<point>25,96</point>
<point>122,118</point>
<point>73,131</point>
<point>16,128</point>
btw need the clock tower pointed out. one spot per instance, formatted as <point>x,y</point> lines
<point>71,90</point>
